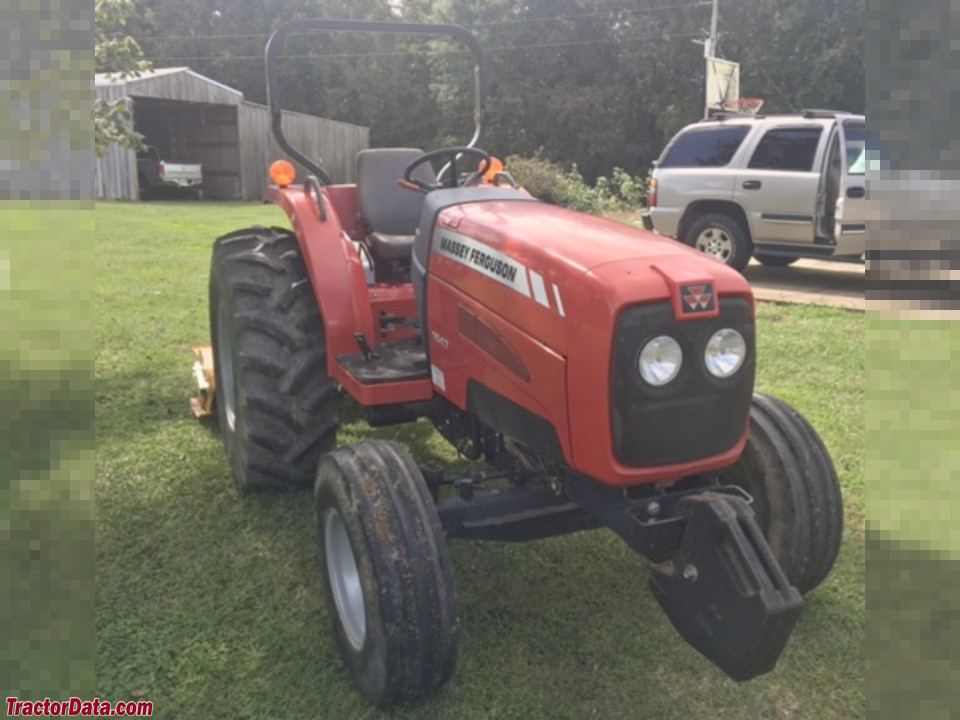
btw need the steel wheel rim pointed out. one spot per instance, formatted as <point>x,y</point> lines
<point>227,387</point>
<point>344,579</point>
<point>716,243</point>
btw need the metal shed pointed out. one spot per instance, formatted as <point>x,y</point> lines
<point>194,119</point>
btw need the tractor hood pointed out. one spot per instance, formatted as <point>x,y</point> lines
<point>562,262</point>
<point>574,240</point>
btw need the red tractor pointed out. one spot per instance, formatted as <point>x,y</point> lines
<point>605,373</point>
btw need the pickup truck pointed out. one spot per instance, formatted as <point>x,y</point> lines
<point>154,173</point>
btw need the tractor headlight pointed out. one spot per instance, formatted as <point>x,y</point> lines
<point>660,360</point>
<point>725,353</point>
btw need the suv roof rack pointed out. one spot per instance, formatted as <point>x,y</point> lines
<point>820,113</point>
<point>728,115</point>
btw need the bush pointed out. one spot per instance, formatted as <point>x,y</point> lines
<point>631,189</point>
<point>549,182</point>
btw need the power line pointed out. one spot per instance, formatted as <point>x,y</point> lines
<point>607,14</point>
<point>508,48</point>
<point>198,37</point>
<point>594,42</point>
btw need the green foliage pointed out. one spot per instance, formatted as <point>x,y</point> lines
<point>629,190</point>
<point>113,123</point>
<point>798,55</point>
<point>549,182</point>
<point>114,51</point>
<point>596,84</point>
<point>119,54</point>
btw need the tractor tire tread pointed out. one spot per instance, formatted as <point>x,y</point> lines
<point>253,288</point>
<point>796,491</point>
<point>302,370</point>
<point>297,291</point>
<point>264,365</point>
<point>824,497</point>
<point>288,404</point>
<point>309,440</point>
<point>269,408</point>
<point>403,540</point>
<point>263,324</point>
<point>416,495</point>
<point>322,396</point>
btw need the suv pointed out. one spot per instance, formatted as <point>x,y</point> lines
<point>777,187</point>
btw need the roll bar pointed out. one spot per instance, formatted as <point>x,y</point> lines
<point>275,45</point>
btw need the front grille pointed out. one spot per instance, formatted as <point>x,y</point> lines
<point>695,415</point>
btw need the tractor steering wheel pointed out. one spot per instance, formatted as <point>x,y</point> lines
<point>452,180</point>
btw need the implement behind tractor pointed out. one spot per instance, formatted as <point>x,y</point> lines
<point>606,375</point>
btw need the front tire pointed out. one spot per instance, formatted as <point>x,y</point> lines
<point>796,495</point>
<point>722,238</point>
<point>386,573</point>
<point>276,406</point>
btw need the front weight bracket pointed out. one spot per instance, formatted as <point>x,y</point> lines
<point>724,590</point>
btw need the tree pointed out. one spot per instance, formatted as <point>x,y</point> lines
<point>120,55</point>
<point>798,55</point>
<point>596,83</point>
<point>378,80</point>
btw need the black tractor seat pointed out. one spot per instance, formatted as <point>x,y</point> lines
<point>391,247</point>
<point>391,213</point>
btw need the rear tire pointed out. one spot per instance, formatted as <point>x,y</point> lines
<point>796,494</point>
<point>386,573</point>
<point>722,238</point>
<point>276,406</point>
<point>775,260</point>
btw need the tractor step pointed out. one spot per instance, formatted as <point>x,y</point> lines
<point>724,590</point>
<point>393,362</point>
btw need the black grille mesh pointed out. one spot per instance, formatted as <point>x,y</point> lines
<point>695,415</point>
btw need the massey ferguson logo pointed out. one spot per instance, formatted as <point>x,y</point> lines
<point>697,298</point>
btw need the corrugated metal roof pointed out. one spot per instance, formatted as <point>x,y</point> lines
<point>107,79</point>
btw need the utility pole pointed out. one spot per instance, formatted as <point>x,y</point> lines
<point>709,51</point>
<point>711,47</point>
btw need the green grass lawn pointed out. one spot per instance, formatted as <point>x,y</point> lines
<point>210,604</point>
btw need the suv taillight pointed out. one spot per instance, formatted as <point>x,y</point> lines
<point>652,193</point>
<point>161,170</point>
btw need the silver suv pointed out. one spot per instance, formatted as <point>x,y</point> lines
<point>777,187</point>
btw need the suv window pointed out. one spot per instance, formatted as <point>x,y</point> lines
<point>859,164</point>
<point>855,136</point>
<point>709,147</point>
<point>787,149</point>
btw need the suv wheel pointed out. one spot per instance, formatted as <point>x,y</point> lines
<point>721,237</point>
